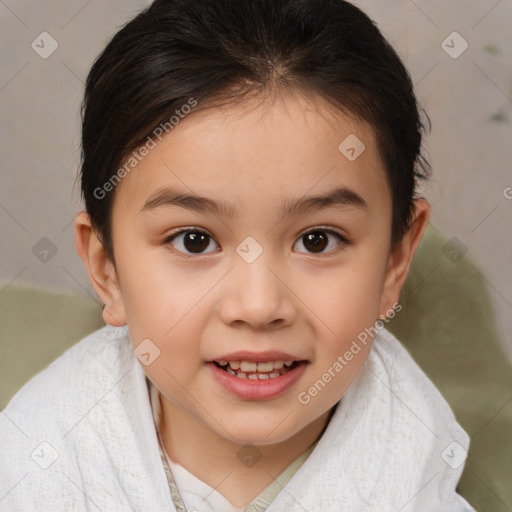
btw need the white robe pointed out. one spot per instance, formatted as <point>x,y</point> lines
<point>80,436</point>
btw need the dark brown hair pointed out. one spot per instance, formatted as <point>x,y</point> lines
<point>220,50</point>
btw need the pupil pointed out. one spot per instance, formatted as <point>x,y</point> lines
<point>317,239</point>
<point>195,241</point>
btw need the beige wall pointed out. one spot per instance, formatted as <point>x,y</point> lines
<point>469,100</point>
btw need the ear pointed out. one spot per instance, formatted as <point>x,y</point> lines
<point>401,256</point>
<point>101,270</point>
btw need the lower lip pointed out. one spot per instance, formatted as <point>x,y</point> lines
<point>250,389</point>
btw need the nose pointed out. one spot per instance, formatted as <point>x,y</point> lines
<point>257,294</point>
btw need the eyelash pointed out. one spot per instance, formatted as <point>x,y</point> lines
<point>343,240</point>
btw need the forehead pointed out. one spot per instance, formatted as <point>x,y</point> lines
<point>261,150</point>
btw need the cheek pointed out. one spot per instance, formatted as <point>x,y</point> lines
<point>155,292</point>
<point>346,300</point>
<point>168,306</point>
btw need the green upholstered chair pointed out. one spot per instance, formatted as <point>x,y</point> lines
<point>446,324</point>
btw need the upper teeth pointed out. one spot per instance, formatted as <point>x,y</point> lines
<point>249,366</point>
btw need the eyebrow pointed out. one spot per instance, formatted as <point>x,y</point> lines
<point>340,197</point>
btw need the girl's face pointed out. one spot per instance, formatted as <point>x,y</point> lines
<point>246,239</point>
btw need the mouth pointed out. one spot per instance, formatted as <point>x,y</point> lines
<point>264,370</point>
<point>257,376</point>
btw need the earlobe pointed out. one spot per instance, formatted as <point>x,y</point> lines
<point>402,254</point>
<point>101,270</point>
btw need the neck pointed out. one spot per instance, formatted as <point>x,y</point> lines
<point>239,472</point>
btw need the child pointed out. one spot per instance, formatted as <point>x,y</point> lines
<point>249,170</point>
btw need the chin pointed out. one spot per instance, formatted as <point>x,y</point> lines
<point>256,432</point>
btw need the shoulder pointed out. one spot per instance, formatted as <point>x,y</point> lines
<point>391,359</point>
<point>83,419</point>
<point>391,363</point>
<point>440,445</point>
<point>47,397</point>
<point>35,445</point>
<point>392,425</point>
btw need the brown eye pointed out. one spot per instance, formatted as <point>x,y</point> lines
<point>190,241</point>
<point>318,240</point>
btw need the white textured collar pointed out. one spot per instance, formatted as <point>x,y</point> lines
<point>80,436</point>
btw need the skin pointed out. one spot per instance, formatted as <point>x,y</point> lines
<point>198,306</point>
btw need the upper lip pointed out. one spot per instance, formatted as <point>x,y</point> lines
<point>257,357</point>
